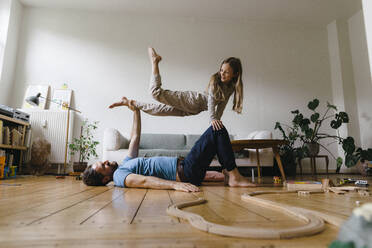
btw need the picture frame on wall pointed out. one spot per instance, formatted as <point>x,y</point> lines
<point>60,99</point>
<point>33,90</point>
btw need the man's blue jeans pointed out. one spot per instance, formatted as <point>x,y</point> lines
<point>202,153</point>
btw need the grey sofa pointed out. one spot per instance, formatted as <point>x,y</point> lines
<point>115,147</point>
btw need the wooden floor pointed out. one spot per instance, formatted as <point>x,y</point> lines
<point>49,212</point>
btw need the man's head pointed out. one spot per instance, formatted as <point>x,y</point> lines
<point>99,173</point>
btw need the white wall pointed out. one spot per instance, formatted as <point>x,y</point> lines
<point>367,13</point>
<point>4,21</point>
<point>362,77</point>
<point>103,57</point>
<point>10,18</point>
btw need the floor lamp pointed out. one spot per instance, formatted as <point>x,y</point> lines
<point>34,100</point>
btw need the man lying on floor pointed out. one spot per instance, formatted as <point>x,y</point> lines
<point>168,172</point>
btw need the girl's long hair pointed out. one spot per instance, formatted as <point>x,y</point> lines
<point>215,84</point>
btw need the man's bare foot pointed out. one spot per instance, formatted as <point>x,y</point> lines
<point>124,102</point>
<point>154,57</point>
<point>213,176</point>
<point>237,180</point>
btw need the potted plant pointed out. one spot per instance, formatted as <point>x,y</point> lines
<point>289,152</point>
<point>309,134</point>
<point>85,145</point>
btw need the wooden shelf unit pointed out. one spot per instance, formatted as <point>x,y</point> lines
<point>23,148</point>
<point>8,121</point>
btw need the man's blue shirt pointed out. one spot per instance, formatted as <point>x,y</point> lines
<point>162,167</point>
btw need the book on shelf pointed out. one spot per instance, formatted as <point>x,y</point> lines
<point>2,163</point>
<point>9,159</point>
<point>16,137</point>
<point>6,136</point>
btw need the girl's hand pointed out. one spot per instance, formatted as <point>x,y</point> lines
<point>216,125</point>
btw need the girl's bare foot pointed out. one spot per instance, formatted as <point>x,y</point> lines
<point>124,102</point>
<point>154,57</point>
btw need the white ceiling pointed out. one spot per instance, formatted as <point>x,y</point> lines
<point>309,12</point>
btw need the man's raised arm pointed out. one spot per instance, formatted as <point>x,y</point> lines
<point>135,135</point>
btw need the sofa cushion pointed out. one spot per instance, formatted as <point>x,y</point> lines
<point>260,135</point>
<point>162,141</point>
<point>192,138</point>
<point>113,140</point>
<point>162,152</point>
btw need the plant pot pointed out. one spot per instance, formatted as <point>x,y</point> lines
<point>312,148</point>
<point>80,166</point>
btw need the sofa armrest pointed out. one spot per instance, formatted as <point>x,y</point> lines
<point>113,140</point>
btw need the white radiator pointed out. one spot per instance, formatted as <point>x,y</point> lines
<point>52,126</point>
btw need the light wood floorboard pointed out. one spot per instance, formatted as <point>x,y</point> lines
<point>49,212</point>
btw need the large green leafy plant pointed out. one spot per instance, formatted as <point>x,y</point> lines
<point>85,144</point>
<point>308,130</point>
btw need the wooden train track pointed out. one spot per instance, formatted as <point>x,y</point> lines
<point>314,220</point>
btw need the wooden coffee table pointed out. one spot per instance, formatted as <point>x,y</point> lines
<point>239,145</point>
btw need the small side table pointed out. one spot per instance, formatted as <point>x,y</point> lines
<point>313,163</point>
<point>274,144</point>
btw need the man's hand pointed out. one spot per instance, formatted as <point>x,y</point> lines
<point>132,106</point>
<point>216,125</point>
<point>150,182</point>
<point>186,187</point>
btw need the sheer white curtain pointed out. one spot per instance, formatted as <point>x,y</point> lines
<point>2,48</point>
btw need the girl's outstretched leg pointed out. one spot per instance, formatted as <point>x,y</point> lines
<point>190,102</point>
<point>150,108</point>
<point>159,109</point>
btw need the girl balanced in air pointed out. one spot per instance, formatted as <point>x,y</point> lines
<point>222,85</point>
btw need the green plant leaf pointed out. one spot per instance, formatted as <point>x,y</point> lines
<point>298,119</point>
<point>331,106</point>
<point>365,154</point>
<point>342,244</point>
<point>85,144</point>
<point>309,133</point>
<point>313,104</point>
<point>339,161</point>
<point>295,111</point>
<point>304,124</point>
<point>348,145</point>
<point>343,117</point>
<point>335,124</point>
<point>305,121</point>
<point>314,117</point>
<point>351,160</point>
<point>278,126</point>
<point>369,154</point>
